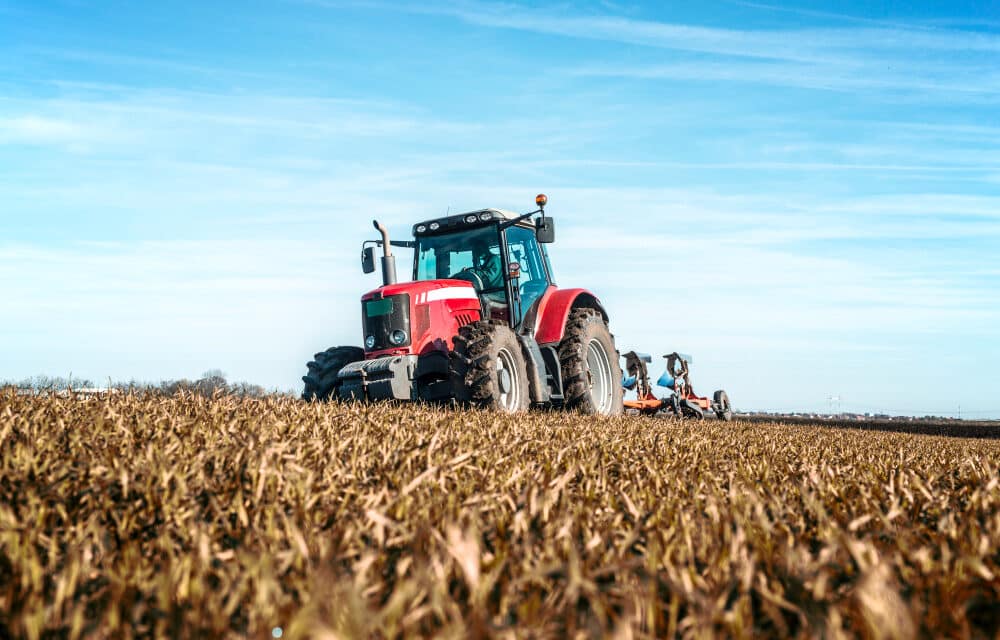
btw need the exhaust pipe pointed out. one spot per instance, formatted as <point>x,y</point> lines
<point>388,260</point>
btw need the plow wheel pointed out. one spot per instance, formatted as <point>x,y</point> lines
<point>691,410</point>
<point>589,361</point>
<point>488,368</point>
<point>723,409</point>
<point>321,381</point>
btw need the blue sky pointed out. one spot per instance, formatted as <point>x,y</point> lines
<point>805,196</point>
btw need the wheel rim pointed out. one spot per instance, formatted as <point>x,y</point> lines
<point>508,377</point>
<point>599,370</point>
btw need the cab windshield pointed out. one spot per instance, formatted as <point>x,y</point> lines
<point>447,255</point>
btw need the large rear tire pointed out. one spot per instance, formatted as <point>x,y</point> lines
<point>589,362</point>
<point>488,369</point>
<point>321,381</point>
<point>724,410</point>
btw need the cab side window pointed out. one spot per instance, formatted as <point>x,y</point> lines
<point>523,249</point>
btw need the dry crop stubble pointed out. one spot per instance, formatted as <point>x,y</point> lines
<point>183,516</point>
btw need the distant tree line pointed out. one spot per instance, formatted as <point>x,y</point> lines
<point>211,382</point>
<point>47,383</point>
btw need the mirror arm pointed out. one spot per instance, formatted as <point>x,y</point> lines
<point>511,223</point>
<point>402,244</point>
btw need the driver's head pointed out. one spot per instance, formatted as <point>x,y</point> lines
<point>480,251</point>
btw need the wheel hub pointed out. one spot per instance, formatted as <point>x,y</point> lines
<point>599,374</point>
<point>508,384</point>
<point>503,380</point>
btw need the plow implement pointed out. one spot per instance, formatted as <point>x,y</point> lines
<point>682,402</point>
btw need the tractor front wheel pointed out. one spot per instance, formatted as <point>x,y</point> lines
<point>589,362</point>
<point>488,368</point>
<point>321,380</point>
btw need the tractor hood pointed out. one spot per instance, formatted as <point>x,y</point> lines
<point>417,318</point>
<point>443,289</point>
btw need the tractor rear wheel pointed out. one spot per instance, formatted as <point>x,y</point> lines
<point>321,381</point>
<point>589,361</point>
<point>724,410</point>
<point>488,368</point>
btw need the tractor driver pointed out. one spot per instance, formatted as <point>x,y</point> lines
<point>487,265</point>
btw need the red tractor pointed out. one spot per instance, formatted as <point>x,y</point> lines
<point>482,323</point>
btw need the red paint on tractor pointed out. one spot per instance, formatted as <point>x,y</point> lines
<point>554,309</point>
<point>437,309</point>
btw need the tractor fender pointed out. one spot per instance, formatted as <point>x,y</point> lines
<point>554,309</point>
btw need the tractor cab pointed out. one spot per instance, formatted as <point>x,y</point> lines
<point>502,254</point>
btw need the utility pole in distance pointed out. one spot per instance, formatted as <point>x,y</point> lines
<point>832,400</point>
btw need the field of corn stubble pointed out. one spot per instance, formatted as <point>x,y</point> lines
<point>186,516</point>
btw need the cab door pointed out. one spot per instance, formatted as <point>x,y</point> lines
<point>532,278</point>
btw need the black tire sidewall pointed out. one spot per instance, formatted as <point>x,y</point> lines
<point>328,363</point>
<point>507,340</point>
<point>474,366</point>
<point>583,326</point>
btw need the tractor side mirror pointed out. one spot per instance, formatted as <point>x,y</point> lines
<point>368,259</point>
<point>545,230</point>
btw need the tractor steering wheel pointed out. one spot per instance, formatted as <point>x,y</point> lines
<point>471,276</point>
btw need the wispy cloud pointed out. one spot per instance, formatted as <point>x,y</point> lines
<point>856,76</point>
<point>31,129</point>
<point>803,44</point>
<point>140,117</point>
<point>882,56</point>
<point>764,165</point>
<point>168,61</point>
<point>845,17</point>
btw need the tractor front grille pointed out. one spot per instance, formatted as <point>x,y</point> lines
<point>381,317</point>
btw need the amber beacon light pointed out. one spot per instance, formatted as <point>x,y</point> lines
<point>541,200</point>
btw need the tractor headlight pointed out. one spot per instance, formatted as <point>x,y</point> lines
<point>397,337</point>
<point>370,342</point>
<point>435,226</point>
<point>421,228</point>
<point>471,218</point>
<point>485,216</point>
